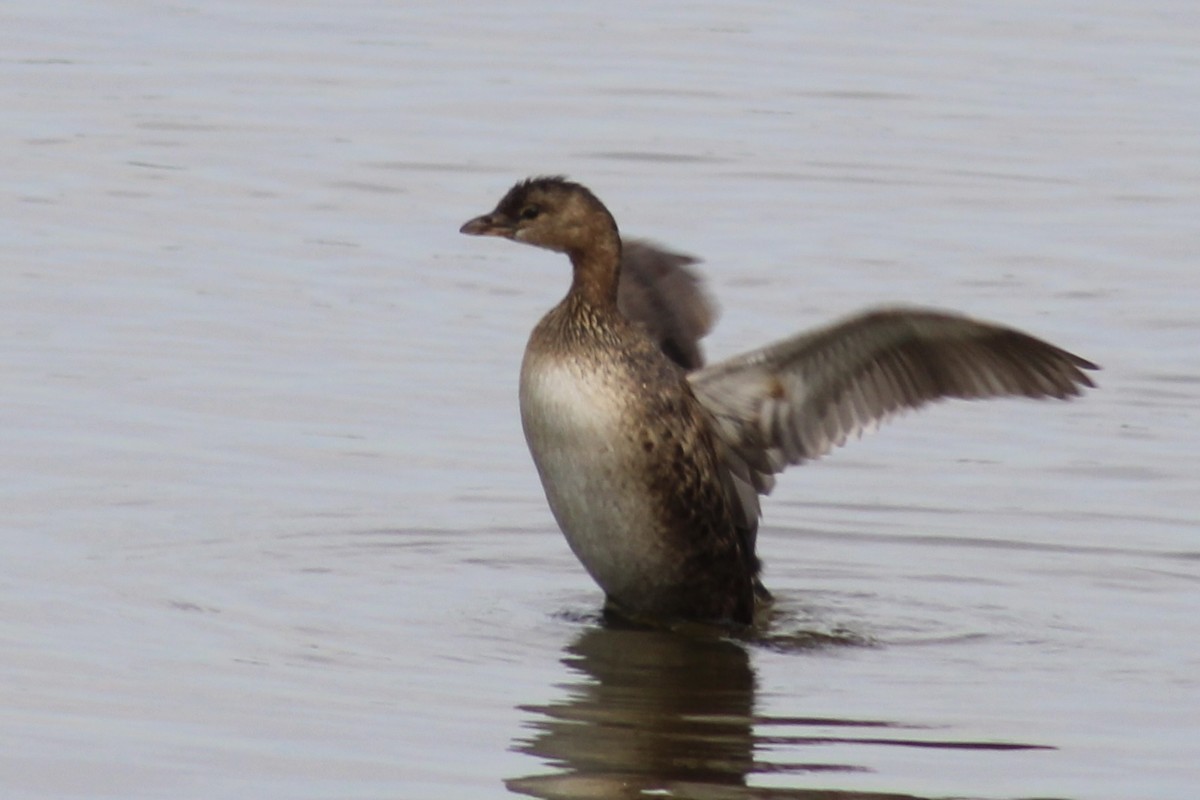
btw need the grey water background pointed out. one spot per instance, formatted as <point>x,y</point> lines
<point>267,523</point>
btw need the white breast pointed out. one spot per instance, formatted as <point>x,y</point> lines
<point>592,471</point>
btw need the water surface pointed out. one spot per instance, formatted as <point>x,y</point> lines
<point>268,522</point>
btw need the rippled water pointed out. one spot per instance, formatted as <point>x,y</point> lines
<point>269,527</point>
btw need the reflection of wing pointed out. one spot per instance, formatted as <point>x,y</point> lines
<point>799,398</point>
<point>659,292</point>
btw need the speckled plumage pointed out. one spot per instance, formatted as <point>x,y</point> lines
<point>653,473</point>
<point>627,457</point>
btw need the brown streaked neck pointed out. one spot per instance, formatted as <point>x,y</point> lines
<point>596,270</point>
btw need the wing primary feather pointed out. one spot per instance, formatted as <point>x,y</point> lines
<point>796,399</point>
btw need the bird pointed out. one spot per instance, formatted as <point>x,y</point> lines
<point>653,464</point>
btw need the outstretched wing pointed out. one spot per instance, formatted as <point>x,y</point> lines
<point>799,398</point>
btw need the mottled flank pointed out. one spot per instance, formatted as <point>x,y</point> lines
<point>654,472</point>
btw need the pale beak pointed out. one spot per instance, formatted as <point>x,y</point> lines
<point>488,225</point>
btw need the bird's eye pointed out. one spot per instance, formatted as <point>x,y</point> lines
<point>530,212</point>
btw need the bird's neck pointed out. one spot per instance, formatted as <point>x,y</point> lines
<point>597,271</point>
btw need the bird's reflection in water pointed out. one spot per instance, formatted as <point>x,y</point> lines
<point>666,713</point>
<point>655,712</point>
<point>653,708</point>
